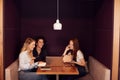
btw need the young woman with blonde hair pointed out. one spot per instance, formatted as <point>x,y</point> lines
<point>27,66</point>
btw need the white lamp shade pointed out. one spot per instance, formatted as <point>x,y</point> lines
<point>57,25</point>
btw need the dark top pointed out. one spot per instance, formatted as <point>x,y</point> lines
<point>41,56</point>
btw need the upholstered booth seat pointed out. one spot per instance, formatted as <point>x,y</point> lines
<point>97,71</point>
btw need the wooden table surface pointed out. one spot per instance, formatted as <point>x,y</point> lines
<point>57,67</point>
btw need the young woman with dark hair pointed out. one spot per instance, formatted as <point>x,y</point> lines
<point>40,51</point>
<point>78,59</point>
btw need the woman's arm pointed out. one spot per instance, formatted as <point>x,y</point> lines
<point>80,59</point>
<point>24,63</point>
<point>81,62</point>
<point>66,49</point>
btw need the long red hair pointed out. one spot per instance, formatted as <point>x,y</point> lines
<point>75,46</point>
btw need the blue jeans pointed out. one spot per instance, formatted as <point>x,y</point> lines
<point>27,75</point>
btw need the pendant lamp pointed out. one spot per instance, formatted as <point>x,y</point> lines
<point>57,25</point>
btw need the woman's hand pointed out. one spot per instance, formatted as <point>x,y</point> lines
<point>73,61</point>
<point>32,61</point>
<point>66,49</point>
<point>33,58</point>
<point>40,62</point>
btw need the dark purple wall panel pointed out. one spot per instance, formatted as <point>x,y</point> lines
<point>104,33</point>
<point>91,21</point>
<point>57,40</point>
<point>11,32</point>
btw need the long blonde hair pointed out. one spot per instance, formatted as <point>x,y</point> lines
<point>27,42</point>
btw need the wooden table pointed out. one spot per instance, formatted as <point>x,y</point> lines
<point>58,67</point>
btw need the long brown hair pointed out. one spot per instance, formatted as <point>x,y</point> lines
<point>75,46</point>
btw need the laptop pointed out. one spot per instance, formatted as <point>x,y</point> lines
<point>54,61</point>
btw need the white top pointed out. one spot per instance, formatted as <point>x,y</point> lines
<point>79,56</point>
<point>24,61</point>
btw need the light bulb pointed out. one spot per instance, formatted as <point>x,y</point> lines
<point>57,25</point>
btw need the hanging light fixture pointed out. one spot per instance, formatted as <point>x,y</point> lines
<point>57,25</point>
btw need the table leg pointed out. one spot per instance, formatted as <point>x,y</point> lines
<point>57,77</point>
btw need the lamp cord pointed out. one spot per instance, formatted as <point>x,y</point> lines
<point>57,9</point>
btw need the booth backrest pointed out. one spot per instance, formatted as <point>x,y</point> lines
<point>97,70</point>
<point>11,72</point>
